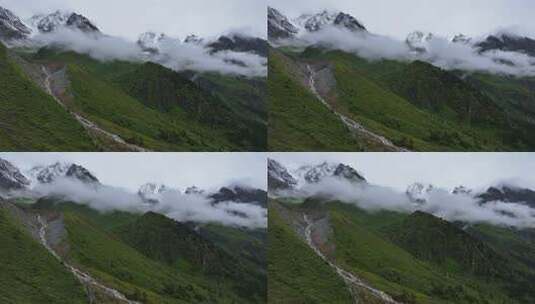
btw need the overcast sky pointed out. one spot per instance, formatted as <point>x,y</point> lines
<point>131,170</point>
<point>398,18</point>
<point>447,170</point>
<point>129,18</point>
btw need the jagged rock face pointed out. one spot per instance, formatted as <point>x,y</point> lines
<point>461,190</point>
<point>510,43</point>
<point>348,173</point>
<point>278,176</point>
<point>417,41</point>
<point>150,41</point>
<point>49,23</point>
<point>349,22</point>
<point>151,192</point>
<point>238,43</point>
<point>241,195</point>
<point>194,190</point>
<point>279,27</point>
<point>80,173</point>
<point>193,39</point>
<point>419,193</point>
<point>82,23</point>
<point>461,38</point>
<point>509,194</point>
<point>10,177</point>
<point>11,27</point>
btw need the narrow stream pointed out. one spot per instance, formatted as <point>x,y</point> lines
<point>350,279</point>
<point>83,277</point>
<point>348,122</point>
<point>84,121</point>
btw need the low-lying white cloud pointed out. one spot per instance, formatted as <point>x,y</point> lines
<point>173,204</point>
<point>173,54</point>
<point>440,51</point>
<point>439,202</point>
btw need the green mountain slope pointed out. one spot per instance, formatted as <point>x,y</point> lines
<point>28,273</point>
<point>31,120</point>
<point>144,103</point>
<point>166,90</point>
<point>295,273</point>
<point>415,258</point>
<point>431,239</point>
<point>297,121</point>
<point>176,245</point>
<point>150,258</point>
<point>413,104</point>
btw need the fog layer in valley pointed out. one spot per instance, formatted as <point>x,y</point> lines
<point>439,202</point>
<point>174,204</point>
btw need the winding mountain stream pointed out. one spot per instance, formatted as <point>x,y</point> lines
<point>352,125</point>
<point>352,281</point>
<point>86,123</point>
<point>83,277</point>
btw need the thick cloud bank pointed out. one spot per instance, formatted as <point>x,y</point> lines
<point>441,203</point>
<point>173,53</point>
<point>440,51</point>
<point>176,205</point>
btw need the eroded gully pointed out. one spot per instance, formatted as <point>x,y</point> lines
<point>352,125</point>
<point>83,277</point>
<point>352,282</point>
<point>86,123</point>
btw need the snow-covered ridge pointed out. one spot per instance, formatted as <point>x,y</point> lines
<point>231,53</point>
<point>10,177</point>
<point>46,23</point>
<point>419,192</point>
<point>281,27</point>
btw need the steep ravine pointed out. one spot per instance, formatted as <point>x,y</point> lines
<point>86,123</point>
<point>352,125</point>
<point>353,283</point>
<point>87,280</point>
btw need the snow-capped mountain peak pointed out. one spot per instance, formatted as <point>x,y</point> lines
<point>419,192</point>
<point>47,174</point>
<point>46,23</point>
<point>316,22</point>
<point>314,174</point>
<point>11,27</point>
<point>10,177</point>
<point>50,173</point>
